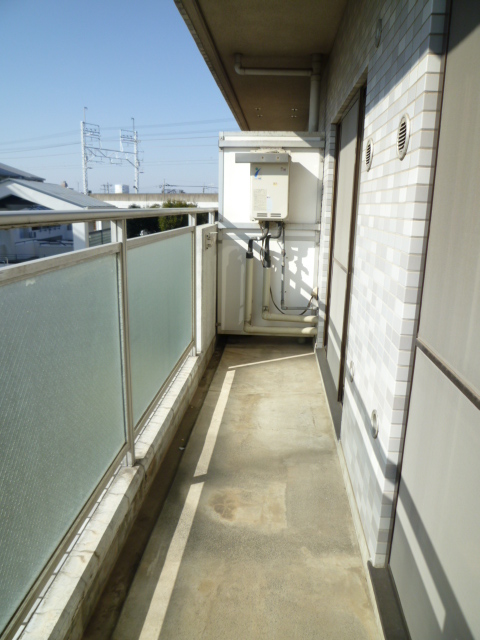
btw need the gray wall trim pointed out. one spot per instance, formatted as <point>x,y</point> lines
<point>330,390</point>
<point>394,626</point>
<point>339,264</point>
<point>461,385</point>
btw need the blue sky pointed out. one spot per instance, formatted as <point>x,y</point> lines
<point>121,60</point>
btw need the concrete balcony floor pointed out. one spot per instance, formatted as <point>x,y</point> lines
<point>256,538</point>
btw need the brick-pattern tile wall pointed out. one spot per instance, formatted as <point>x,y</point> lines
<point>402,76</point>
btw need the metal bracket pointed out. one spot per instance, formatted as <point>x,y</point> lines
<point>210,239</point>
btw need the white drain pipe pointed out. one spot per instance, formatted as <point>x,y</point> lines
<point>314,93</point>
<point>313,72</point>
<point>274,331</point>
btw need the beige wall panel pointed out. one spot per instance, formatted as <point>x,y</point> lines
<point>450,316</point>
<point>435,552</point>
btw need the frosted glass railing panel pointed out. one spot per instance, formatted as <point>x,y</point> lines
<point>61,411</point>
<point>160,312</point>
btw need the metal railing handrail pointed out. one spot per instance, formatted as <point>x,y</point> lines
<point>120,246</point>
<point>10,220</point>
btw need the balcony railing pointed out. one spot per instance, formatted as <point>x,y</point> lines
<point>89,342</point>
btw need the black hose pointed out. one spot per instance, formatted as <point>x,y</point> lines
<point>267,261</point>
<point>257,239</point>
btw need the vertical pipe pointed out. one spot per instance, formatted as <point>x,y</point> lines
<point>267,274</point>
<point>121,236</point>
<point>314,93</point>
<point>248,288</point>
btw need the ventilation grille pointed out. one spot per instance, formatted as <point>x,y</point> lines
<point>267,215</point>
<point>403,135</point>
<point>369,154</point>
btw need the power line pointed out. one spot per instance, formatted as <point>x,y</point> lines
<point>174,135</point>
<point>71,144</point>
<point>51,146</point>
<point>178,124</point>
<point>51,135</point>
<point>146,136</point>
<point>146,126</point>
<point>47,155</point>
<point>175,162</point>
<point>75,153</point>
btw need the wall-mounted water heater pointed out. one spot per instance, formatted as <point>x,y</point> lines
<point>269,184</point>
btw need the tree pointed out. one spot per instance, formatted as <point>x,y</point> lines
<point>174,222</point>
<point>137,225</point>
<point>154,225</point>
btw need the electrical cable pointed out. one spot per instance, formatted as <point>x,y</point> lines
<point>307,307</point>
<point>71,144</point>
<point>290,314</point>
<point>127,128</point>
<point>275,304</point>
<point>173,124</point>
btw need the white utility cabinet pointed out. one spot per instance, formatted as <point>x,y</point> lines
<point>291,168</point>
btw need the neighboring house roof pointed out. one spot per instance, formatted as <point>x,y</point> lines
<point>48,195</point>
<point>11,172</point>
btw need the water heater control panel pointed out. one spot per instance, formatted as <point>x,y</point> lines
<point>269,184</point>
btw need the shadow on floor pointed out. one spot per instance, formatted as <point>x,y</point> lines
<point>255,538</point>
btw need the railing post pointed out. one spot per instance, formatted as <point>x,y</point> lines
<point>194,289</point>
<point>119,234</point>
<point>192,222</point>
<point>192,219</point>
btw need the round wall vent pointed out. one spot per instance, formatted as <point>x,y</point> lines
<point>375,424</point>
<point>369,153</point>
<point>403,136</point>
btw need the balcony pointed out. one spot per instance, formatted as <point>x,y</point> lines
<point>105,348</point>
<point>106,355</point>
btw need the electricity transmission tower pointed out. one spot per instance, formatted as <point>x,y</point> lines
<point>93,151</point>
<point>129,138</point>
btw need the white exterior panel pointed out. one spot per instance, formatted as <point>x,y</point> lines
<point>301,226</point>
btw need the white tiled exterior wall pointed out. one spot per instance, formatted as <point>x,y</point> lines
<point>404,75</point>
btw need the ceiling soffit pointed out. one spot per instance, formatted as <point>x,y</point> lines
<point>271,33</point>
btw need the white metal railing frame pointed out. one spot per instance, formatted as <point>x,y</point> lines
<point>119,246</point>
<point>134,243</point>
